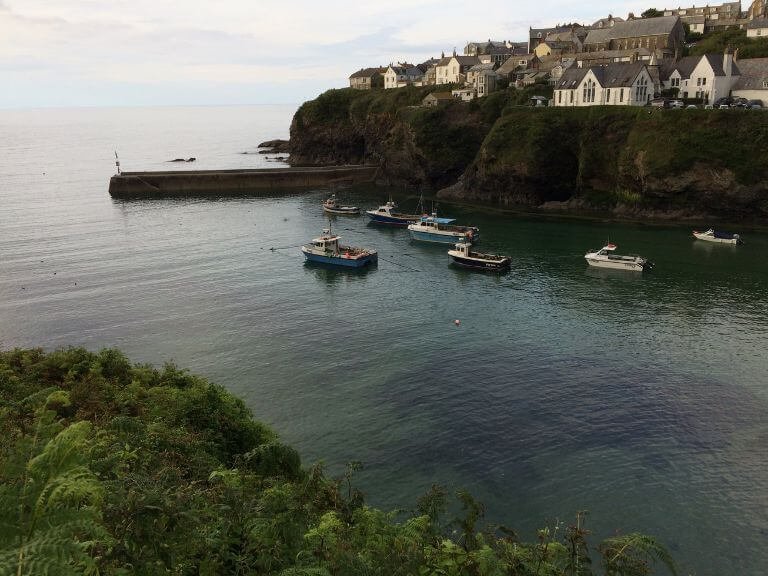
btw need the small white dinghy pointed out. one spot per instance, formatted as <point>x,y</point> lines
<point>718,236</point>
<point>607,258</point>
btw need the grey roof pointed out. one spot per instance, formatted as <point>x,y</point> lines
<point>633,29</point>
<point>558,44</point>
<point>754,71</point>
<point>610,54</point>
<point>603,22</point>
<point>366,73</point>
<point>439,96</point>
<point>481,67</point>
<point>758,23</point>
<point>571,78</point>
<point>618,74</point>
<point>716,61</point>
<point>685,66</point>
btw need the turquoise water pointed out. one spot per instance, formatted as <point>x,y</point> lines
<point>642,398</point>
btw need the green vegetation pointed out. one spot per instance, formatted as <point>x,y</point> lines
<point>734,39</point>
<point>113,468</point>
<point>652,13</point>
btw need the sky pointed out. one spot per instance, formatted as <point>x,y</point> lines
<point>233,52</point>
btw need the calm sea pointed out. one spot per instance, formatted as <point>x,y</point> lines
<point>641,398</point>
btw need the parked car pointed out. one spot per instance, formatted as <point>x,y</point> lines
<point>692,106</point>
<point>724,107</point>
<point>659,103</point>
<point>755,104</point>
<point>720,101</point>
<point>676,104</point>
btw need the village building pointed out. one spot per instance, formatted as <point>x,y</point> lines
<point>453,69</point>
<point>437,98</point>
<point>752,83</point>
<point>758,9</point>
<point>607,22</point>
<point>366,79</point>
<point>482,78</point>
<point>705,78</point>
<point>664,35</point>
<point>757,28</point>
<point>624,84</point>
<point>402,75</point>
<point>587,59</point>
<point>538,35</point>
<point>517,65</point>
<point>708,18</point>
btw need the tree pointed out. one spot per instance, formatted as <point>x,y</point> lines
<point>652,13</point>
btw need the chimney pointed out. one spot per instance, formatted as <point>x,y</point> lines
<point>727,62</point>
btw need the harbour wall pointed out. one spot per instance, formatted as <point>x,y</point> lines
<point>233,182</point>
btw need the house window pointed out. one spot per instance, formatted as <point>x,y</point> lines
<point>703,81</point>
<point>641,89</point>
<point>621,95</point>
<point>698,81</point>
<point>608,95</point>
<point>589,91</point>
<point>765,83</point>
<point>571,96</point>
<point>559,96</point>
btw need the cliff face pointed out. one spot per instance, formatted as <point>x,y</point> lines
<point>629,161</point>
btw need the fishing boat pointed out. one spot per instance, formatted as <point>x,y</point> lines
<point>326,250</point>
<point>718,236</point>
<point>431,229</point>
<point>332,206</point>
<point>385,214</point>
<point>607,258</point>
<point>462,255</point>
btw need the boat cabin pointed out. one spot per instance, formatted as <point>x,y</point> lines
<point>327,242</point>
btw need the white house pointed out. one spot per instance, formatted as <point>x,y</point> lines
<point>620,84</point>
<point>758,28</point>
<point>402,75</point>
<point>753,82</point>
<point>453,69</point>
<point>706,77</point>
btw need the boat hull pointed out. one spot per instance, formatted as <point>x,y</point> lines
<point>343,211</point>
<point>442,238</point>
<point>478,264</point>
<point>359,262</point>
<point>392,220</point>
<point>710,238</point>
<point>635,266</point>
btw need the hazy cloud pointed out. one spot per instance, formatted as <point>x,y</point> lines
<point>278,50</point>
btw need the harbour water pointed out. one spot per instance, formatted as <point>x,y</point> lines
<point>642,398</point>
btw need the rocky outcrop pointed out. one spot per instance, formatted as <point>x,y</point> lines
<point>626,161</point>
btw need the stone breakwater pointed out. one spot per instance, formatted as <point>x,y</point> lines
<point>233,182</point>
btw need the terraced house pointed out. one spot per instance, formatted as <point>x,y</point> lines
<point>664,36</point>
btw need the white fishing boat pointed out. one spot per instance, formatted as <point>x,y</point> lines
<point>607,258</point>
<point>718,236</point>
<point>332,206</point>
<point>431,229</point>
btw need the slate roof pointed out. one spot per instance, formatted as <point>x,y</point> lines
<point>571,78</point>
<point>758,23</point>
<point>716,61</point>
<point>365,73</point>
<point>662,25</point>
<point>685,66</point>
<point>440,96</point>
<point>558,45</point>
<point>618,74</point>
<point>754,71</point>
<point>481,67</point>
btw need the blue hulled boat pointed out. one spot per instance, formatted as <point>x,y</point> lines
<point>326,250</point>
<point>432,229</point>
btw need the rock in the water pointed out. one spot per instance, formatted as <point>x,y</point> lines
<point>277,145</point>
